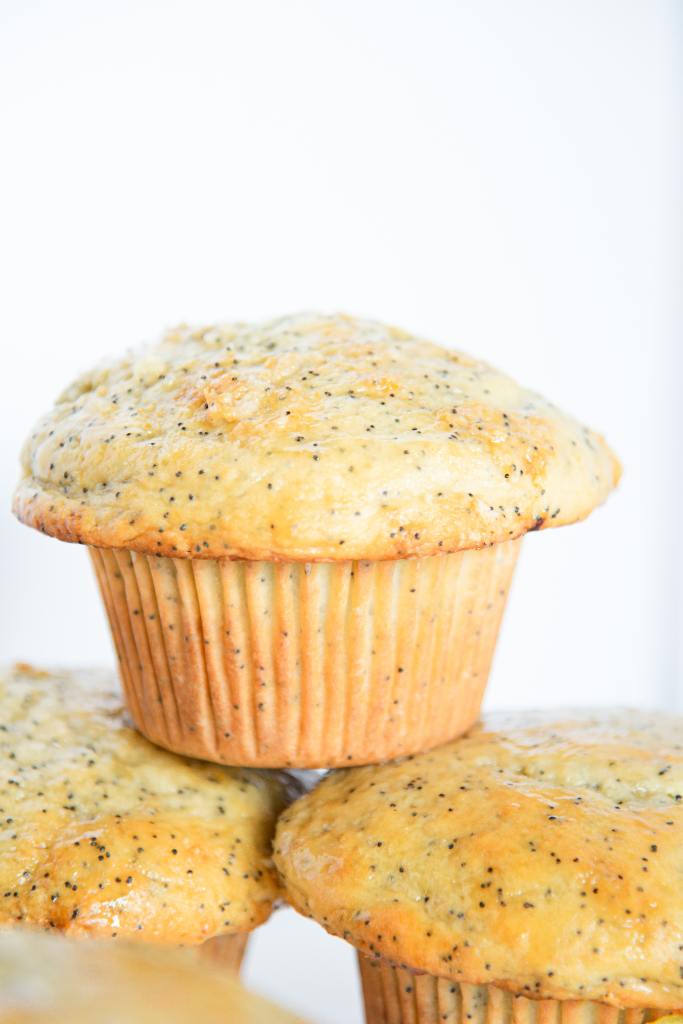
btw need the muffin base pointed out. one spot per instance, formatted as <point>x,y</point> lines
<point>395,995</point>
<point>226,951</point>
<point>307,665</point>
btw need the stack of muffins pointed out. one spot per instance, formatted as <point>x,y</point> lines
<point>304,534</point>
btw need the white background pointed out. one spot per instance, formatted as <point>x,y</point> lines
<point>500,176</point>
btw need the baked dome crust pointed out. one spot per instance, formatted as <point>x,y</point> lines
<point>104,834</point>
<point>541,855</point>
<point>305,438</point>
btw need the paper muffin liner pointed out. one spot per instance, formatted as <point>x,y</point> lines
<point>395,995</point>
<point>308,665</point>
<point>225,951</point>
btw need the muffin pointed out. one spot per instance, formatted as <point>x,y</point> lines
<point>527,873</point>
<point>47,979</point>
<point>304,531</point>
<point>105,835</point>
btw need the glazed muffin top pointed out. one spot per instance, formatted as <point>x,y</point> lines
<point>305,438</point>
<point>47,979</point>
<point>104,834</point>
<point>542,855</point>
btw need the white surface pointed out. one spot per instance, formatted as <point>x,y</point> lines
<point>500,176</point>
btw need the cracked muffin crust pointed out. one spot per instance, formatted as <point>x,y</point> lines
<point>305,438</point>
<point>542,855</point>
<point>103,834</point>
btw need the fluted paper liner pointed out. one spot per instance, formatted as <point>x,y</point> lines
<point>394,995</point>
<point>292,664</point>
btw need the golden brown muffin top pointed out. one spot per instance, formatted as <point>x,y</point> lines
<point>540,854</point>
<point>46,979</point>
<point>307,438</point>
<point>104,834</point>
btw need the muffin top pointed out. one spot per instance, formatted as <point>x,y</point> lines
<point>305,438</point>
<point>46,979</point>
<point>540,854</point>
<point>102,833</point>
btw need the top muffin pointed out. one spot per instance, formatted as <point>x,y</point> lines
<point>308,437</point>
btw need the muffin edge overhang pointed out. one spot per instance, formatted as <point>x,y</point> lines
<point>487,465</point>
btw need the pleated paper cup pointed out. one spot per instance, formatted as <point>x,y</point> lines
<point>307,665</point>
<point>226,951</point>
<point>394,995</point>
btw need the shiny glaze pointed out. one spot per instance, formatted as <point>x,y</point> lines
<point>543,854</point>
<point>104,834</point>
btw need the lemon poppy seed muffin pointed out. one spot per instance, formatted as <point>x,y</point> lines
<point>530,871</point>
<point>104,835</point>
<point>47,979</point>
<point>305,530</point>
